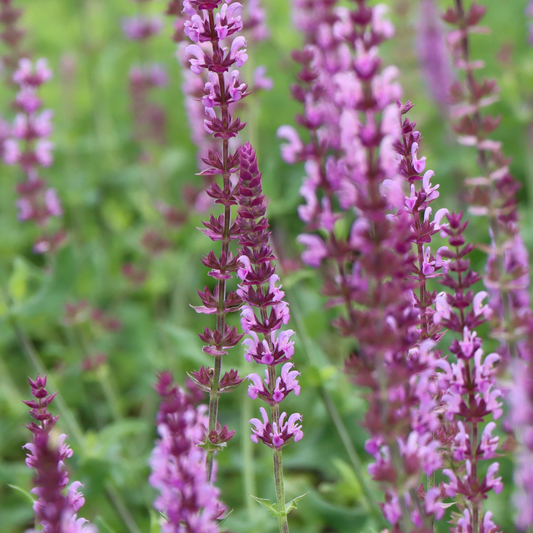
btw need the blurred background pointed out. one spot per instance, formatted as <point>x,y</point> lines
<point>111,307</point>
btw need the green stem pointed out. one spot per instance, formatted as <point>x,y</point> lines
<point>280,491</point>
<point>278,461</point>
<point>121,508</point>
<point>213,412</point>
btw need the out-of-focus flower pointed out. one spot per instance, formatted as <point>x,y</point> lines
<point>140,27</point>
<point>29,147</point>
<point>55,511</point>
<point>186,497</point>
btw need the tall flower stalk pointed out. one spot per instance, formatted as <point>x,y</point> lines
<point>263,314</point>
<point>493,194</point>
<point>186,498</point>
<point>216,23</point>
<point>31,149</point>
<point>471,394</point>
<point>55,511</point>
<point>434,60</point>
<point>353,119</point>
<point>254,29</point>
<point>149,117</point>
<point>521,418</point>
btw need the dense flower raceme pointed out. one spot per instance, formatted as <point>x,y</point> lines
<point>521,401</point>
<point>493,194</point>
<point>149,117</point>
<point>422,193</point>
<point>434,59</point>
<point>262,316</point>
<point>333,78</point>
<point>264,311</point>
<point>55,511</point>
<point>471,395</point>
<point>252,22</point>
<point>351,113</point>
<point>188,501</point>
<point>213,22</point>
<point>30,148</point>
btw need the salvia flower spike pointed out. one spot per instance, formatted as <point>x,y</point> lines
<point>188,500</point>
<point>149,117</point>
<point>30,148</point>
<point>11,36</point>
<point>263,315</point>
<point>494,193</point>
<point>351,165</point>
<point>55,511</point>
<point>216,53</point>
<point>471,394</point>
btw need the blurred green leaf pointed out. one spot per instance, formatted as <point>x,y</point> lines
<point>268,505</point>
<point>27,494</point>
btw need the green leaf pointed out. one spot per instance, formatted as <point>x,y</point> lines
<point>293,504</point>
<point>155,526</point>
<point>102,523</point>
<point>268,505</point>
<point>25,492</point>
<point>18,281</point>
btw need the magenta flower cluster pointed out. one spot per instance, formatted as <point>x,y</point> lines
<point>470,391</point>
<point>30,148</point>
<point>149,117</point>
<point>250,21</point>
<point>264,311</point>
<point>55,511</point>
<point>178,464</point>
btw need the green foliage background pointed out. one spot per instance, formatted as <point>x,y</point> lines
<point>108,195</point>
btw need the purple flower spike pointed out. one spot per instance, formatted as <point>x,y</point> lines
<point>186,497</point>
<point>470,392</point>
<point>11,35</point>
<point>214,58</point>
<point>432,54</point>
<point>140,28</point>
<point>263,315</point>
<point>264,311</point>
<point>521,418</point>
<point>28,147</point>
<point>55,511</point>
<point>357,153</point>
